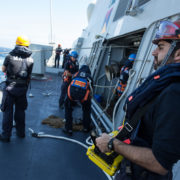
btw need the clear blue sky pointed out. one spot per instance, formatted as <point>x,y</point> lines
<point>32,18</point>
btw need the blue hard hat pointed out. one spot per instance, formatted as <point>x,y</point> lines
<point>132,57</point>
<point>74,54</point>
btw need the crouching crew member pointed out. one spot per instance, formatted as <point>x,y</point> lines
<point>79,91</point>
<point>155,141</point>
<point>18,67</point>
<point>124,74</point>
<point>71,67</point>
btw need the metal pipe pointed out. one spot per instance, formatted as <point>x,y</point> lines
<point>148,50</point>
<point>100,118</point>
<point>109,55</point>
<point>96,125</point>
<point>101,76</point>
<point>103,118</point>
<point>131,74</point>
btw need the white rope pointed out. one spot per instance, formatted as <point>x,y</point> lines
<point>104,86</point>
<point>89,141</point>
<point>103,47</point>
<point>42,134</point>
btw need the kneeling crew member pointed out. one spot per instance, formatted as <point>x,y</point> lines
<point>71,67</point>
<point>155,144</point>
<point>79,91</point>
<point>18,67</point>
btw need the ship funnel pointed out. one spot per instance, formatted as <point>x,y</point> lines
<point>90,9</point>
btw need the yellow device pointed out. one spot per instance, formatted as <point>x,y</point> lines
<point>108,162</point>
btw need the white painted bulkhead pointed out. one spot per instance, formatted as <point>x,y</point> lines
<point>151,13</point>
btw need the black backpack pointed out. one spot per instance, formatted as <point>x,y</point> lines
<point>78,90</point>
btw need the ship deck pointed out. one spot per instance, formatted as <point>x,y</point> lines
<point>46,158</point>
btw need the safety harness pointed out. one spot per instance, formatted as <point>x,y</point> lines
<point>78,90</point>
<point>151,87</point>
<point>124,75</point>
<point>120,88</point>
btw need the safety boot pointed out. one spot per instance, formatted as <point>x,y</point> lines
<point>69,132</point>
<point>20,135</point>
<point>4,139</point>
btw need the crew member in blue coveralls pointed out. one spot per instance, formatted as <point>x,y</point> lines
<point>79,91</point>
<point>18,67</point>
<point>155,146</point>
<point>57,57</point>
<point>124,74</point>
<point>70,68</point>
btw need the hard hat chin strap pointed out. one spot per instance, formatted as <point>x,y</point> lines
<point>173,45</point>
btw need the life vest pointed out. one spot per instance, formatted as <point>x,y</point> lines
<point>78,90</point>
<point>120,88</point>
<point>21,76</point>
<point>72,67</point>
<point>151,87</point>
<point>124,75</point>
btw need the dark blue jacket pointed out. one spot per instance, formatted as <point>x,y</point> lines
<point>159,127</point>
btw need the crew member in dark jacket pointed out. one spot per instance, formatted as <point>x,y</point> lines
<point>124,74</point>
<point>57,57</point>
<point>18,67</point>
<point>155,144</point>
<point>79,91</point>
<point>65,56</point>
<point>71,67</point>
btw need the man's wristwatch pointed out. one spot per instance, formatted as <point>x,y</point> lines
<point>110,144</point>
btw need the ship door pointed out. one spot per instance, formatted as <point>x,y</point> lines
<point>114,51</point>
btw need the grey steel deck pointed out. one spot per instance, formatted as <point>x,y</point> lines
<point>45,158</point>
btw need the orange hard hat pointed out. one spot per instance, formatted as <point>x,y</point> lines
<point>168,31</point>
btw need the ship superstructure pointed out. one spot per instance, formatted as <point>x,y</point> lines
<point>116,28</point>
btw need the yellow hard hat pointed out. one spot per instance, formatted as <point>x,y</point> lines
<point>22,41</point>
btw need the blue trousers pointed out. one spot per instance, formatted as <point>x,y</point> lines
<point>57,59</point>
<point>64,88</point>
<point>13,106</point>
<point>86,108</point>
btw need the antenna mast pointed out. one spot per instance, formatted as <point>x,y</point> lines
<point>51,24</point>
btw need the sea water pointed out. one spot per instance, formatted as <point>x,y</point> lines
<point>2,75</point>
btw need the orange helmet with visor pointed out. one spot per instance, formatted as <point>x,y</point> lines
<point>168,31</point>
